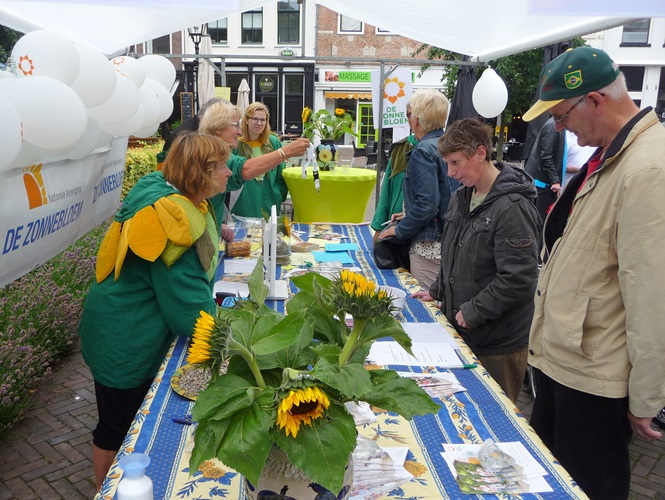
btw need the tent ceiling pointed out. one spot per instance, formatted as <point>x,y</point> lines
<point>479,28</point>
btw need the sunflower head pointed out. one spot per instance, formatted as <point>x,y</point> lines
<point>360,297</point>
<point>209,340</point>
<point>340,112</point>
<point>306,114</point>
<point>301,406</point>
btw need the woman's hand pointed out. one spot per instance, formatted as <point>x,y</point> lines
<point>459,317</point>
<point>389,231</point>
<point>422,295</point>
<point>296,148</point>
<point>396,217</point>
<point>227,233</point>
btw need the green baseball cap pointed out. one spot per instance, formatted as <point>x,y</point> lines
<point>574,73</point>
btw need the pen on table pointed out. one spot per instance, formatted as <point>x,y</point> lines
<point>470,365</point>
<point>184,421</point>
<point>386,223</point>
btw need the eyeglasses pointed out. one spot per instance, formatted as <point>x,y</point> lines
<point>562,118</point>
<point>408,115</point>
<point>258,120</point>
<point>234,124</point>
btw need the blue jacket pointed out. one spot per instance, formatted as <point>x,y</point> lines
<point>427,191</point>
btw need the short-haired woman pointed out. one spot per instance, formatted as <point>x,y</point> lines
<point>154,275</point>
<point>427,187</point>
<point>488,254</point>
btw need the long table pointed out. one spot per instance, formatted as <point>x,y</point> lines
<point>480,413</point>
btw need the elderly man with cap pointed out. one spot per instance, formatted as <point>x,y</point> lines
<point>597,343</point>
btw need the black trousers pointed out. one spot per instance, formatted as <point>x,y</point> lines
<point>588,434</point>
<point>544,201</point>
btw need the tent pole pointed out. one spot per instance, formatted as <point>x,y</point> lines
<point>379,141</point>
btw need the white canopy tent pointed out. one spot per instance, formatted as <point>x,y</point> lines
<point>479,28</point>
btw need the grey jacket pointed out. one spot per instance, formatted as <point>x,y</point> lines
<point>489,263</point>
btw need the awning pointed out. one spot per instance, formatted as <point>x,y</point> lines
<point>348,95</point>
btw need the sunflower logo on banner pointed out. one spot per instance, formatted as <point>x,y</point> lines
<point>397,89</point>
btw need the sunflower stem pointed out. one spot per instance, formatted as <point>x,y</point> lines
<point>352,342</point>
<point>249,358</point>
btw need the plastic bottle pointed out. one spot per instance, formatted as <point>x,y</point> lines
<point>135,485</point>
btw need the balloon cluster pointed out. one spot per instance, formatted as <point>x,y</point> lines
<point>63,100</point>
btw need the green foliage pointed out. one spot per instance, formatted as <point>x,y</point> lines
<point>139,162</point>
<point>326,125</point>
<point>521,73</point>
<point>8,38</point>
<point>284,388</point>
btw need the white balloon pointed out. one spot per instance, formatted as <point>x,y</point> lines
<point>11,138</point>
<point>146,132</point>
<point>130,68</point>
<point>165,101</point>
<point>29,155</point>
<point>104,139</point>
<point>150,104</point>
<point>53,115</point>
<point>45,53</point>
<point>122,104</point>
<point>159,68</point>
<point>85,145</point>
<point>95,80</point>
<point>490,94</point>
<point>127,127</point>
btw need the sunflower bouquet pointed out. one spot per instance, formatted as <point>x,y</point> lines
<point>327,125</point>
<point>289,376</point>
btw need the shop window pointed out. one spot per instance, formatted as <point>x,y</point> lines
<point>218,31</point>
<point>365,125</point>
<point>349,25</point>
<point>162,45</point>
<point>636,33</point>
<point>634,77</point>
<point>288,22</point>
<point>252,27</point>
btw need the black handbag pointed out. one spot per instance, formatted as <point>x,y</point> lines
<point>391,253</point>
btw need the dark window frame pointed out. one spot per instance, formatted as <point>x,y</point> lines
<point>219,34</point>
<point>638,26</point>
<point>288,22</point>
<point>252,35</point>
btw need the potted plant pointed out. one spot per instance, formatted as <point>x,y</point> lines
<point>329,127</point>
<point>289,376</point>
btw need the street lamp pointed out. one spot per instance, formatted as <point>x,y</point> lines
<point>196,33</point>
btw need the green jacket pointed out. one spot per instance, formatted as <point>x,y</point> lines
<point>258,195</point>
<point>391,198</point>
<point>128,323</point>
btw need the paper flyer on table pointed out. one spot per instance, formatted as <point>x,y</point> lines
<point>425,354</point>
<point>239,266</point>
<point>429,332</point>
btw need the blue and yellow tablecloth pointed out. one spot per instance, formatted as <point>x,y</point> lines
<point>482,412</point>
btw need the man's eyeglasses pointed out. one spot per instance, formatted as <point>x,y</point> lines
<point>258,120</point>
<point>562,118</point>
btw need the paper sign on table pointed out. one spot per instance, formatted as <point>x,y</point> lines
<point>341,247</point>
<point>239,266</point>
<point>342,257</point>
<point>426,354</point>
<point>429,332</point>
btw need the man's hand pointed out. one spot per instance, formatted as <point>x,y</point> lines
<point>642,427</point>
<point>422,295</point>
<point>556,187</point>
<point>296,148</point>
<point>227,233</point>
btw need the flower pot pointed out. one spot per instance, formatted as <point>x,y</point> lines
<point>326,155</point>
<point>280,479</point>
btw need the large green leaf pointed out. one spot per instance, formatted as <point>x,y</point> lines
<point>322,451</point>
<point>258,290</point>
<point>222,398</point>
<point>269,338</point>
<point>242,325</point>
<point>385,326</point>
<point>207,439</point>
<point>306,281</point>
<point>247,439</point>
<point>326,327</point>
<point>351,380</point>
<point>399,395</point>
<point>297,355</point>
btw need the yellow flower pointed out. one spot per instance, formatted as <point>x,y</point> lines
<point>306,114</point>
<point>340,112</point>
<point>325,155</point>
<point>199,350</point>
<point>301,406</point>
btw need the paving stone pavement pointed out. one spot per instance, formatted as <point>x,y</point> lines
<point>48,455</point>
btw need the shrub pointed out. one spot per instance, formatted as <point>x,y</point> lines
<point>140,161</point>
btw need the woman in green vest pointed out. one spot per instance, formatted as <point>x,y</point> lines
<point>268,189</point>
